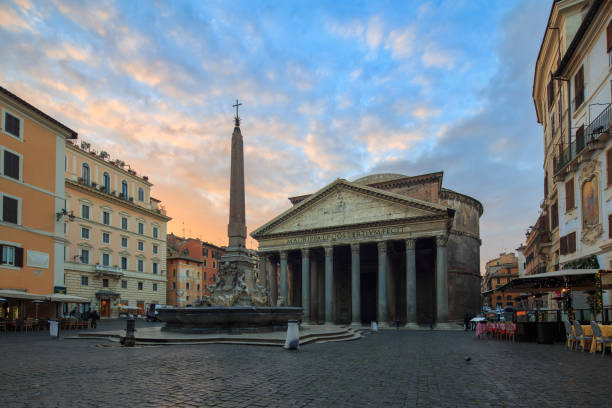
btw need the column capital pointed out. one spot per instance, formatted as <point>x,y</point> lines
<point>355,248</point>
<point>382,246</point>
<point>329,250</point>
<point>410,243</point>
<point>441,240</point>
<point>283,255</point>
<point>305,252</point>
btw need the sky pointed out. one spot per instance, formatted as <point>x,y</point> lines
<point>329,90</point>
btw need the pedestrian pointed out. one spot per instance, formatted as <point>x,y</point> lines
<point>397,323</point>
<point>93,315</point>
<point>466,321</point>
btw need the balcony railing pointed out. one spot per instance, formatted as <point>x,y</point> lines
<point>109,270</point>
<point>594,130</point>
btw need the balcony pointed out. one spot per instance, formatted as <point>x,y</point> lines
<point>598,126</point>
<point>108,270</point>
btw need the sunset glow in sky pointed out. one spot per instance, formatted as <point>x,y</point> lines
<point>329,90</point>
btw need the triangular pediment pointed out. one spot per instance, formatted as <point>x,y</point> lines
<point>343,203</point>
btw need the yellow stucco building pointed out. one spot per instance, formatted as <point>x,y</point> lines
<point>32,148</point>
<point>116,233</point>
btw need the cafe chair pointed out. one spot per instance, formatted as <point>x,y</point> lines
<point>580,335</point>
<point>598,338</point>
<point>571,339</point>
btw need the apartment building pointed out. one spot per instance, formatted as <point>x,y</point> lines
<point>32,149</point>
<point>184,286</point>
<point>500,271</point>
<point>116,234</point>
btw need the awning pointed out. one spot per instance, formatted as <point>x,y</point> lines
<point>61,298</point>
<point>577,279</point>
<point>107,293</point>
<point>126,307</point>
<point>18,294</point>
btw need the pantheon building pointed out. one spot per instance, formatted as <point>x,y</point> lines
<point>383,248</point>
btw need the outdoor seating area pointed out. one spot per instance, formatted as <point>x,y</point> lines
<point>593,337</point>
<point>496,330</point>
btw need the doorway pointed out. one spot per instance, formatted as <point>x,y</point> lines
<point>105,308</point>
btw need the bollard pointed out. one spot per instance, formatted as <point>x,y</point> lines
<point>293,335</point>
<point>129,340</point>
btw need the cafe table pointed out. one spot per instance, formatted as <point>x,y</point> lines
<point>606,331</point>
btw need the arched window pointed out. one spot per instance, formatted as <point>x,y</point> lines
<point>124,189</point>
<point>187,286</point>
<point>106,181</point>
<point>85,173</point>
<point>140,194</point>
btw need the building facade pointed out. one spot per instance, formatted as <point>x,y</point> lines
<point>184,285</point>
<point>500,271</point>
<point>32,149</point>
<point>116,234</point>
<point>383,248</point>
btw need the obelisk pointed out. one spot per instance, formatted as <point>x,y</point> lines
<point>236,229</point>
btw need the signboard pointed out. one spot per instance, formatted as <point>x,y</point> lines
<point>37,259</point>
<point>59,289</point>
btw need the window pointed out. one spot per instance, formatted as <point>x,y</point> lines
<point>187,273</point>
<point>204,251</point>
<point>571,243</point>
<point>124,223</point>
<point>106,259</point>
<point>579,88</point>
<point>155,287</point>
<point>11,165</point>
<point>155,248</point>
<point>569,195</point>
<point>12,125</point>
<point>105,238</point>
<point>550,92</point>
<point>155,268</point>
<point>123,284</point>
<point>124,262</point>
<point>187,297</point>
<point>174,272</point>
<point>124,242</point>
<point>609,37</point>
<point>141,245</point>
<point>84,233</point>
<point>84,281</point>
<point>609,166</point>
<point>545,184</point>
<point>140,194</point>
<point>105,218</point>
<point>139,285</point>
<point>610,226</point>
<point>155,232</point>
<point>214,265</point>
<point>140,228</point>
<point>85,174</point>
<point>85,256</point>
<point>173,285</point>
<point>10,255</point>
<point>498,281</point>
<point>10,209</point>
<point>187,286</point>
<point>140,265</point>
<point>198,286</point>
<point>106,182</point>
<point>204,275</point>
<point>105,283</point>
<point>85,211</point>
<point>205,262</point>
<point>580,138</point>
<point>554,215</point>
<point>552,123</point>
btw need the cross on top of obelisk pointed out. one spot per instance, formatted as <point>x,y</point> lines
<point>237,118</point>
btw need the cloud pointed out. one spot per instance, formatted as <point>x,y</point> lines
<point>375,31</point>
<point>401,42</point>
<point>11,20</point>
<point>433,57</point>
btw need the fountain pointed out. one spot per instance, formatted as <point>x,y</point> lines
<point>237,303</point>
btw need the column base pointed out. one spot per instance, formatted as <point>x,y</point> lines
<point>447,326</point>
<point>356,324</point>
<point>412,326</point>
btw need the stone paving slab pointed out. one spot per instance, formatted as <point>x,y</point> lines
<point>392,368</point>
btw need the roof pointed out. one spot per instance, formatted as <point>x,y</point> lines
<point>183,257</point>
<point>546,282</point>
<point>15,98</point>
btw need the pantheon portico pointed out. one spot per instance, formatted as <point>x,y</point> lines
<point>386,247</point>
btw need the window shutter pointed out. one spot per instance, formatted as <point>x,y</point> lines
<point>2,252</point>
<point>580,138</point>
<point>563,245</point>
<point>9,210</point>
<point>545,184</point>
<point>579,87</point>
<point>11,165</point>
<point>571,243</point>
<point>18,256</point>
<point>610,226</point>
<point>609,37</point>
<point>569,195</point>
<point>11,124</point>
<point>550,90</point>
<point>609,166</point>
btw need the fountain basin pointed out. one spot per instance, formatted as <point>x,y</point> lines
<point>234,319</point>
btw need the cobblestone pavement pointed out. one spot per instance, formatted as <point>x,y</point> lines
<point>390,368</point>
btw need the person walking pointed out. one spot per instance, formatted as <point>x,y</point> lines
<point>94,318</point>
<point>466,321</point>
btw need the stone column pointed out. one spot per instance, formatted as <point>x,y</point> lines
<point>273,276</point>
<point>382,283</point>
<point>329,284</point>
<point>283,278</point>
<point>441,279</point>
<point>411,312</point>
<point>355,285</point>
<point>306,283</point>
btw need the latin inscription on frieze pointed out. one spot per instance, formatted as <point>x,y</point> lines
<point>370,233</point>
